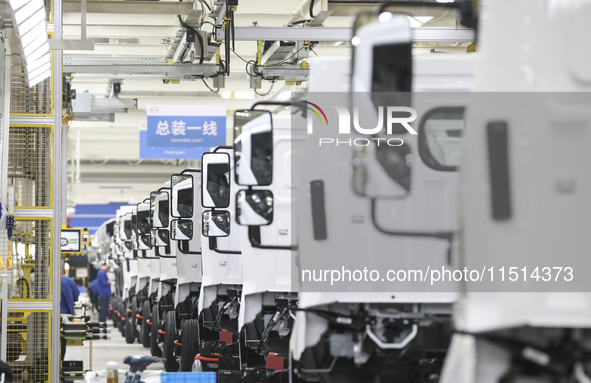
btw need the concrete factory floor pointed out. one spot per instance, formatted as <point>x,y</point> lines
<point>106,350</point>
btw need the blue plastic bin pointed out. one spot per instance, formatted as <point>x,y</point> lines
<point>188,377</point>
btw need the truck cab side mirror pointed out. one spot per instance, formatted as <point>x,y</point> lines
<point>159,217</point>
<point>182,195</point>
<point>125,229</point>
<point>215,173</point>
<point>382,78</point>
<point>161,237</point>
<point>382,59</point>
<point>181,229</point>
<point>215,223</point>
<point>159,209</point>
<point>253,147</point>
<point>254,207</point>
<point>144,230</point>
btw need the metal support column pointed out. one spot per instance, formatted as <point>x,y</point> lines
<point>5,62</point>
<point>4,337</point>
<point>57,195</point>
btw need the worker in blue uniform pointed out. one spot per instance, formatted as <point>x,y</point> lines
<point>70,293</point>
<point>104,291</point>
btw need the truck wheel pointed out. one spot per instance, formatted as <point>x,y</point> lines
<point>121,324</point>
<point>129,338</point>
<point>134,321</point>
<point>154,347</point>
<point>170,363</point>
<point>145,327</point>
<point>190,343</point>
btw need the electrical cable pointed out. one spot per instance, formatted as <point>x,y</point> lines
<point>205,3</point>
<point>227,40</point>
<point>199,38</point>
<point>311,9</point>
<point>299,22</point>
<point>210,23</point>
<point>240,57</point>
<point>268,92</point>
<point>287,59</point>
<point>210,88</point>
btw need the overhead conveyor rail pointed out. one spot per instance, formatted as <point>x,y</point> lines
<point>343,34</point>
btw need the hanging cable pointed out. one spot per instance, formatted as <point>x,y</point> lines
<point>205,3</point>
<point>311,9</point>
<point>268,92</point>
<point>216,91</point>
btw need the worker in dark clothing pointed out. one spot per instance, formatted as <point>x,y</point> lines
<point>70,294</point>
<point>104,292</point>
<point>93,294</point>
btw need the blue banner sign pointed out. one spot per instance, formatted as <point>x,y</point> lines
<point>161,152</point>
<point>186,126</point>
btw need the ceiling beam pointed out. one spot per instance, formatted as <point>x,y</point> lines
<point>342,34</point>
<point>131,7</point>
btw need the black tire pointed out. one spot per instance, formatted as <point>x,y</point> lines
<point>154,347</point>
<point>170,362</point>
<point>145,327</point>
<point>121,323</point>
<point>121,327</point>
<point>129,338</point>
<point>190,343</point>
<point>134,321</point>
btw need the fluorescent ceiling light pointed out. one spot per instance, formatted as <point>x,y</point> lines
<point>31,22</point>
<point>244,95</point>
<point>29,17</point>
<point>423,19</point>
<point>414,23</point>
<point>43,68</point>
<point>44,49</point>
<point>445,1</point>
<point>32,65</point>
<point>38,79</point>
<point>27,11</point>
<point>238,95</point>
<point>16,4</point>
<point>34,34</point>
<point>36,44</point>
<point>284,96</point>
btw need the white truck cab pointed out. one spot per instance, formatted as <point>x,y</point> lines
<point>266,150</point>
<point>382,207</point>
<point>525,200</point>
<point>179,321</point>
<point>221,289</point>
